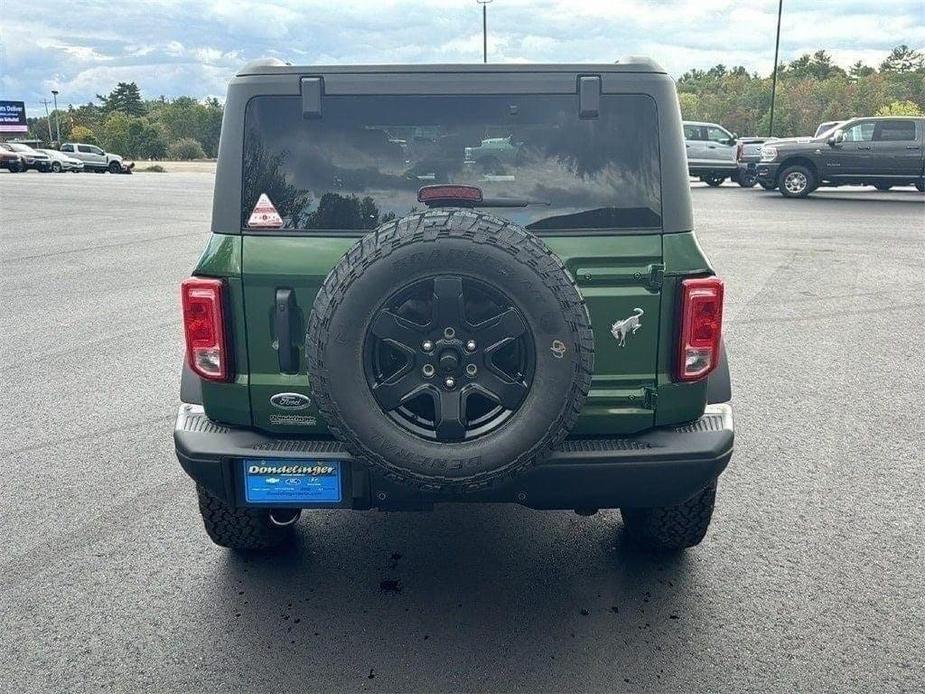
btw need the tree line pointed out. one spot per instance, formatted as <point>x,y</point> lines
<point>124,123</point>
<point>810,90</point>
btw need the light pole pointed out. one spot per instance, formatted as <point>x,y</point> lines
<point>54,94</point>
<point>484,4</point>
<point>780,10</point>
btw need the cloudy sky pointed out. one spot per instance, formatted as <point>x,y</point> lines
<point>177,47</point>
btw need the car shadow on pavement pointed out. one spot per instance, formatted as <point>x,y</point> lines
<point>882,199</point>
<point>484,598</point>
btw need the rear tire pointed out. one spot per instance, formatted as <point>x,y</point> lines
<point>767,185</point>
<point>796,182</point>
<point>671,528</point>
<point>240,528</point>
<point>56,167</point>
<point>713,181</point>
<point>748,180</point>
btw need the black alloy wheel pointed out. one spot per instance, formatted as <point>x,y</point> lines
<point>449,358</point>
<point>449,350</point>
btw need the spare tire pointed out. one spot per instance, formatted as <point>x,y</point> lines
<point>450,350</point>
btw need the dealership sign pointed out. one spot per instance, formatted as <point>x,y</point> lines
<point>13,117</point>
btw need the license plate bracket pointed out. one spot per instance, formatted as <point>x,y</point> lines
<point>281,482</point>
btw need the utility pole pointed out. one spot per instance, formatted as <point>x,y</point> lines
<point>51,135</point>
<point>484,4</point>
<point>780,11</point>
<point>54,95</point>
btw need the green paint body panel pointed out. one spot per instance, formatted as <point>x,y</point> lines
<point>228,403</point>
<point>631,389</point>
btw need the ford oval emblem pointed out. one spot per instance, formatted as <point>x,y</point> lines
<point>291,401</point>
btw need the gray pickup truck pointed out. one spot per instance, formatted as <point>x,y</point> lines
<point>711,152</point>
<point>882,152</point>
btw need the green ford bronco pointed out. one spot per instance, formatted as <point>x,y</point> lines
<point>382,320</point>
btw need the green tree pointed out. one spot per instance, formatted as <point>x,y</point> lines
<point>126,97</point>
<point>81,133</point>
<point>115,133</point>
<point>146,140</point>
<point>903,59</point>
<point>185,117</point>
<point>900,108</point>
<point>859,69</point>
<point>818,66</point>
<point>185,149</point>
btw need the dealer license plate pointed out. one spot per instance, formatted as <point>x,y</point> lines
<point>275,481</point>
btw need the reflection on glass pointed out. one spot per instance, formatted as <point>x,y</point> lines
<point>364,161</point>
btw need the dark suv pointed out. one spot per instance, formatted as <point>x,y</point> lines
<point>882,152</point>
<point>381,321</point>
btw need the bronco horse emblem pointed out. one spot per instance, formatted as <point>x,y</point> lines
<point>627,326</point>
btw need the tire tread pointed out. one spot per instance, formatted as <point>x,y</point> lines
<point>479,228</point>
<point>239,528</point>
<point>669,528</point>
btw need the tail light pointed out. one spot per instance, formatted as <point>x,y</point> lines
<point>438,195</point>
<point>701,336</point>
<point>204,326</point>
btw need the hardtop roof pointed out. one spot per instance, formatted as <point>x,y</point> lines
<point>274,66</point>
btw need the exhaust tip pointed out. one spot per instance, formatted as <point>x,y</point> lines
<point>283,517</point>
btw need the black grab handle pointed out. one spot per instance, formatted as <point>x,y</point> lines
<point>285,316</point>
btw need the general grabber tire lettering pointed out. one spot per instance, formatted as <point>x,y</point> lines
<point>240,528</point>
<point>456,256</point>
<point>671,528</point>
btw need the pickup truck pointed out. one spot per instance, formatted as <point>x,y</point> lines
<point>711,153</point>
<point>94,158</point>
<point>882,152</point>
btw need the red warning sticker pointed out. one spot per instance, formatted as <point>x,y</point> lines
<point>265,215</point>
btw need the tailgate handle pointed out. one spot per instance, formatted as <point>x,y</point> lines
<point>285,314</point>
<point>589,97</point>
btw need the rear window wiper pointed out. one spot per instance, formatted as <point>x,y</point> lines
<point>468,196</point>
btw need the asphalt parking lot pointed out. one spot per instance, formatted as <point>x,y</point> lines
<point>810,579</point>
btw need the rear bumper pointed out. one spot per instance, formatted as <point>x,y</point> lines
<point>660,467</point>
<point>720,168</point>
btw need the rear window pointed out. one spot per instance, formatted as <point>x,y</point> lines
<point>363,162</point>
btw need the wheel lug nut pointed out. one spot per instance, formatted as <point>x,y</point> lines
<point>449,383</point>
<point>471,370</point>
<point>470,346</point>
<point>428,370</point>
<point>428,346</point>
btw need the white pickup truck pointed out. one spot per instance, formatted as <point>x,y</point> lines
<point>94,158</point>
